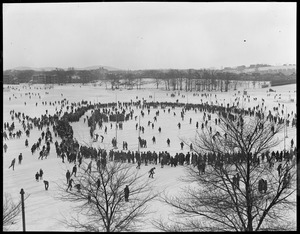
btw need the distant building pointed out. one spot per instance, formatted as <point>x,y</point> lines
<point>241,68</point>
<point>75,78</point>
<point>286,69</point>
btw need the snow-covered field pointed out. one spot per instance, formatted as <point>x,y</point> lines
<point>43,211</point>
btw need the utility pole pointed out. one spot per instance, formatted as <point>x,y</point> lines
<point>23,209</point>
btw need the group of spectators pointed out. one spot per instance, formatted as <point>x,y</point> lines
<point>70,149</point>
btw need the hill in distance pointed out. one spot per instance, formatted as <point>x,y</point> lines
<point>53,68</point>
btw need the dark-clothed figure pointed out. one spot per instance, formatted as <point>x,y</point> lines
<point>70,185</point>
<point>74,170</point>
<point>279,169</point>
<point>151,172</point>
<point>78,187</point>
<point>37,176</point>
<point>126,191</point>
<point>139,164</point>
<point>20,158</point>
<point>98,184</point>
<point>12,164</point>
<point>68,175</point>
<point>89,168</point>
<point>41,174</point>
<point>46,184</point>
<point>153,140</point>
<point>5,147</point>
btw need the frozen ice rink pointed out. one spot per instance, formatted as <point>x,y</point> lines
<point>43,212</point>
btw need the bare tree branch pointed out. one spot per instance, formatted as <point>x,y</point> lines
<point>104,208</point>
<point>213,201</point>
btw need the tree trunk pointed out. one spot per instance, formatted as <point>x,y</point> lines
<point>186,84</point>
<point>248,196</point>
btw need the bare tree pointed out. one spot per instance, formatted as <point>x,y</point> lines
<point>154,74</point>
<point>129,80</point>
<point>11,211</point>
<point>100,206</point>
<point>113,79</point>
<point>166,78</point>
<point>215,201</point>
<point>157,80</point>
<point>227,81</point>
<point>180,79</point>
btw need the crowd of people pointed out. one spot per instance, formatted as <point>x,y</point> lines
<point>73,152</point>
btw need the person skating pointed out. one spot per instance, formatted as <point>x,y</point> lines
<point>89,168</point>
<point>279,169</point>
<point>63,157</point>
<point>153,140</point>
<point>292,143</point>
<point>162,162</point>
<point>98,184</point>
<point>70,185</point>
<point>181,145</point>
<point>12,164</point>
<point>20,158</point>
<point>37,176</point>
<point>68,175</point>
<point>78,187</point>
<point>41,173</point>
<point>139,164</point>
<point>46,183</point>
<point>126,192</point>
<point>98,163</point>
<point>5,147</point>
<point>74,170</point>
<point>151,172</point>
<point>41,154</point>
<point>168,142</point>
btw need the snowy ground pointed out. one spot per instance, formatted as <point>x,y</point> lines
<point>43,212</point>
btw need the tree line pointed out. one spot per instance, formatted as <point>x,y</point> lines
<point>187,80</point>
<point>171,79</point>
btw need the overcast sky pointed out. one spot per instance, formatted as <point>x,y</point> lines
<point>148,35</point>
